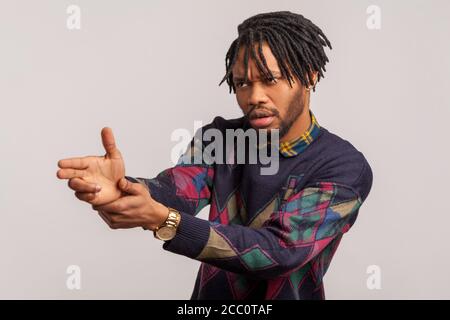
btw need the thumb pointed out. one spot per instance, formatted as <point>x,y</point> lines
<point>109,143</point>
<point>128,186</point>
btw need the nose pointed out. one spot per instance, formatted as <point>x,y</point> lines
<point>257,96</point>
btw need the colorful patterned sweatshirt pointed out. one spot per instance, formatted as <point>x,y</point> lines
<point>268,236</point>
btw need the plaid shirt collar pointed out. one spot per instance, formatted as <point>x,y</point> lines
<point>297,145</point>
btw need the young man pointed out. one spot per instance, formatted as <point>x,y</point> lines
<point>268,236</point>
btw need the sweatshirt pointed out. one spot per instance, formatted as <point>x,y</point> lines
<point>267,236</point>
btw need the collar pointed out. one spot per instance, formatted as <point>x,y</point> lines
<point>297,145</point>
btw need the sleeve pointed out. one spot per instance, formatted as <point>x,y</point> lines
<point>187,186</point>
<point>294,233</point>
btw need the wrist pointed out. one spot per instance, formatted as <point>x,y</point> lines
<point>159,216</point>
<point>163,214</point>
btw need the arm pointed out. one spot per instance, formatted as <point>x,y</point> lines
<point>294,234</point>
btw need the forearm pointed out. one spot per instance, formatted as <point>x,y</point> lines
<point>292,236</point>
<point>179,188</point>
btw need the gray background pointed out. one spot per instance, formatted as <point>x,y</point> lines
<point>146,68</point>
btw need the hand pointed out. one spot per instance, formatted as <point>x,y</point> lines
<point>86,173</point>
<point>135,209</point>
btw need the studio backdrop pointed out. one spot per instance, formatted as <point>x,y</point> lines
<point>148,68</point>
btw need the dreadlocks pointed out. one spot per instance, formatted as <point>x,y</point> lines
<point>295,41</point>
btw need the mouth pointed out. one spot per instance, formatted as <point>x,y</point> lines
<point>262,122</point>
<point>261,118</point>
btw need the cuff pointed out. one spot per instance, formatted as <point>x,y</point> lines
<point>192,236</point>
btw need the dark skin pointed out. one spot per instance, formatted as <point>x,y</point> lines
<point>277,97</point>
<point>119,202</point>
<point>123,204</point>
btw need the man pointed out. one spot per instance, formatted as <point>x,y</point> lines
<point>268,236</point>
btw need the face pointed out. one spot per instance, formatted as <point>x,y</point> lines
<point>268,104</point>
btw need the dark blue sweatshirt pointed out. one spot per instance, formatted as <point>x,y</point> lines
<point>268,236</point>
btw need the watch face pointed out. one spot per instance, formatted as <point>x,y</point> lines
<point>166,233</point>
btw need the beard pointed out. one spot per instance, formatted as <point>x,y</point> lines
<point>293,111</point>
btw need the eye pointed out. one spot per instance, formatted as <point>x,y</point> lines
<point>272,81</point>
<point>240,84</point>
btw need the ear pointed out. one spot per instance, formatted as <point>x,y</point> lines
<point>314,76</point>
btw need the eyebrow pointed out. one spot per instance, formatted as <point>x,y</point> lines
<point>275,74</point>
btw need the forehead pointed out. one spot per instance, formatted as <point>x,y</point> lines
<point>238,68</point>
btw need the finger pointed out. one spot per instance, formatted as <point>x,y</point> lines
<point>122,225</point>
<point>105,217</point>
<point>109,143</point>
<point>114,220</point>
<point>70,173</point>
<point>108,215</point>
<point>130,187</point>
<point>80,185</point>
<point>121,205</point>
<point>74,163</point>
<point>85,196</point>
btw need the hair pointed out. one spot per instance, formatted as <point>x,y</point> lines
<point>296,42</point>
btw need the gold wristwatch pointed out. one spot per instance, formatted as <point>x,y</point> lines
<point>168,229</point>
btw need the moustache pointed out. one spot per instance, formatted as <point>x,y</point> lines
<point>261,113</point>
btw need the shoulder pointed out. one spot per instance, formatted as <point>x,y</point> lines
<point>219,126</point>
<point>341,163</point>
<point>222,124</point>
<point>213,134</point>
